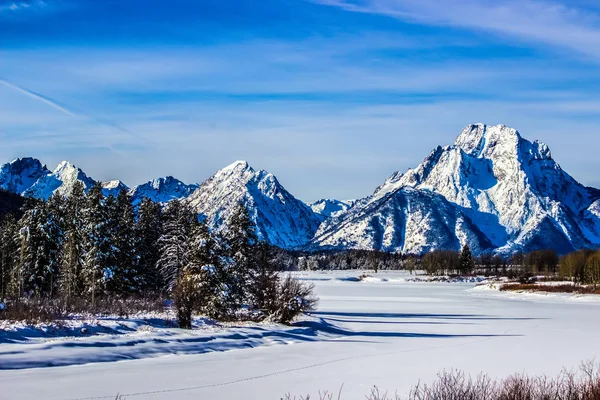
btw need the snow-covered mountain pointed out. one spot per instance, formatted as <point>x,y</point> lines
<point>113,187</point>
<point>19,175</point>
<point>331,207</point>
<point>403,220</point>
<point>491,189</point>
<point>280,218</point>
<point>28,177</point>
<point>506,189</point>
<point>162,190</point>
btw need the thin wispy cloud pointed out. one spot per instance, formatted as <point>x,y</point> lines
<point>38,97</point>
<point>13,7</point>
<point>75,114</point>
<point>563,25</point>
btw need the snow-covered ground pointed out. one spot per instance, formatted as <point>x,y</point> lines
<point>384,331</point>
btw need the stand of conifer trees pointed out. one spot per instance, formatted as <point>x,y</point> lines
<point>87,245</point>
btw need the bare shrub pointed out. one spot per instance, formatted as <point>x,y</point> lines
<point>566,288</point>
<point>293,298</point>
<point>455,385</point>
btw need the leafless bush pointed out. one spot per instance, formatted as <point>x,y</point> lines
<point>293,298</point>
<point>566,288</point>
<point>455,385</point>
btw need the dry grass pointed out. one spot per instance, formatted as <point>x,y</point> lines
<point>38,310</point>
<point>566,288</point>
<point>455,385</point>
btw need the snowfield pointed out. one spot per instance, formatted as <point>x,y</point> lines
<point>384,331</point>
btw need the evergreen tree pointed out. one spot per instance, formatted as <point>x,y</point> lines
<point>9,250</point>
<point>121,221</point>
<point>96,262</point>
<point>264,289</point>
<point>40,240</point>
<point>148,230</point>
<point>205,270</point>
<point>241,238</point>
<point>72,250</point>
<point>173,244</point>
<point>466,260</point>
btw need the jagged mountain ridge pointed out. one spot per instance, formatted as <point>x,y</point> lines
<point>30,178</point>
<point>280,218</point>
<point>491,189</point>
<point>162,190</point>
<point>331,207</point>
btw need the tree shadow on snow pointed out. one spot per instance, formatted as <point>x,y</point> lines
<point>322,326</point>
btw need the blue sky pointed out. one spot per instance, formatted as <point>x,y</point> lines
<point>332,96</point>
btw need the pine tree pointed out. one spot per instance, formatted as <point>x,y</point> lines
<point>121,222</point>
<point>148,230</point>
<point>263,290</point>
<point>205,270</point>
<point>72,250</point>
<point>9,250</point>
<point>96,262</point>
<point>241,238</point>
<point>40,239</point>
<point>466,260</point>
<point>173,244</point>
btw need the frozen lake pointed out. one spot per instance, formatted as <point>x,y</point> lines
<point>390,334</point>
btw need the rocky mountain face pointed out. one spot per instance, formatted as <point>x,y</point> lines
<point>162,190</point>
<point>491,189</point>
<point>508,191</point>
<point>280,218</point>
<point>331,207</point>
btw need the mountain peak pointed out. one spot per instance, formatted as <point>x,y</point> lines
<point>63,166</point>
<point>21,173</point>
<point>476,138</point>
<point>239,165</point>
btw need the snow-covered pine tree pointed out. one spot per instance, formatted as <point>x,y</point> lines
<point>121,221</point>
<point>96,261</point>
<point>40,239</point>
<point>148,229</point>
<point>54,237</point>
<point>241,239</point>
<point>71,258</point>
<point>9,250</point>
<point>206,269</point>
<point>178,222</point>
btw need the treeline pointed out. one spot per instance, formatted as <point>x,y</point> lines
<point>86,245</point>
<point>346,259</point>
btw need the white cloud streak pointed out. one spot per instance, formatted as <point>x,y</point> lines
<point>565,26</point>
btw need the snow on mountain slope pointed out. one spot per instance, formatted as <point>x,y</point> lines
<point>113,187</point>
<point>331,207</point>
<point>511,189</point>
<point>60,181</point>
<point>162,190</point>
<point>280,218</point>
<point>19,175</point>
<point>405,220</point>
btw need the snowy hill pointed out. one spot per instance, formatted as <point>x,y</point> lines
<point>162,190</point>
<point>280,218</point>
<point>508,189</point>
